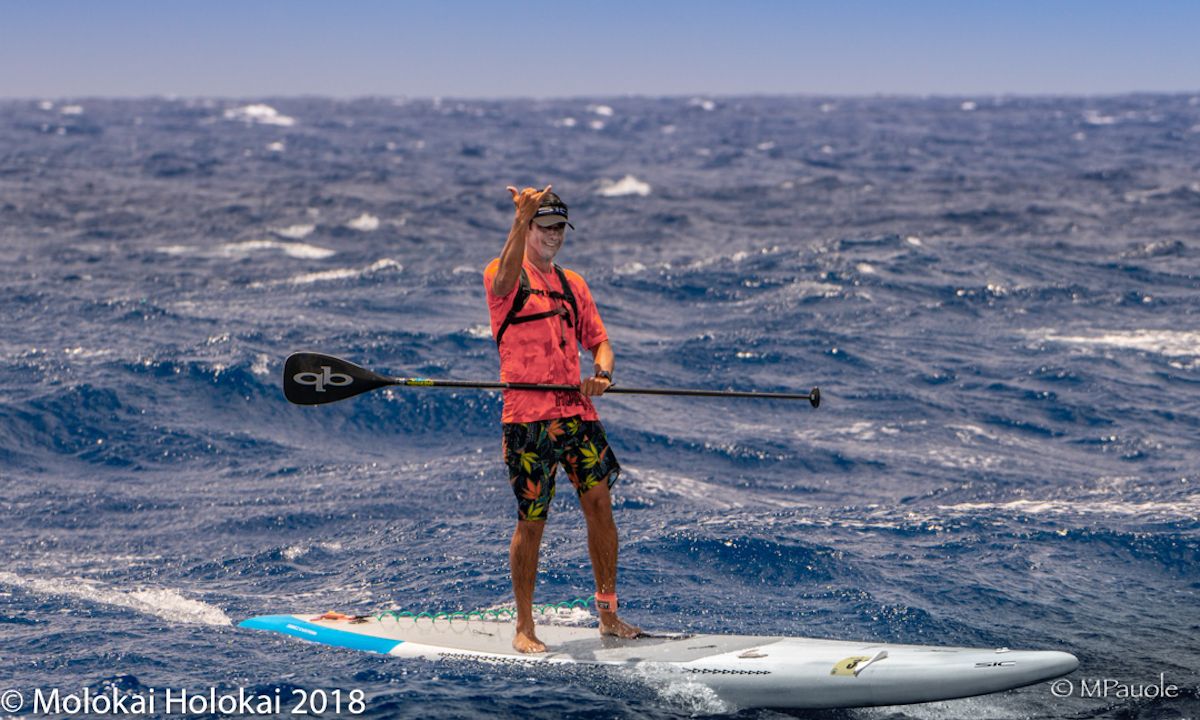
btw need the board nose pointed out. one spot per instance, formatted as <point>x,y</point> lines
<point>1061,663</point>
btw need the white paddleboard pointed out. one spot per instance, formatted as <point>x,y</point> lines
<point>747,671</point>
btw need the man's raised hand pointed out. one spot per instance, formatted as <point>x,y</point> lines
<point>527,201</point>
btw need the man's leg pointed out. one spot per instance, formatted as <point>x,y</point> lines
<point>602,546</point>
<point>523,560</point>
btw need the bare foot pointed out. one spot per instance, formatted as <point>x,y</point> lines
<point>527,642</point>
<point>610,624</point>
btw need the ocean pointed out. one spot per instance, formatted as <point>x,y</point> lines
<point>997,296</point>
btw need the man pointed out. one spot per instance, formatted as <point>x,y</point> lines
<point>540,314</point>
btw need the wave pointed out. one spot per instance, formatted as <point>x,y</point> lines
<point>298,250</point>
<point>628,185</point>
<point>164,603</point>
<point>145,413</point>
<point>295,232</point>
<point>364,223</point>
<point>1169,343</point>
<point>1183,509</point>
<point>259,114</point>
<point>379,266</point>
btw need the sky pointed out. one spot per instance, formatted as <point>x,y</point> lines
<point>514,48</point>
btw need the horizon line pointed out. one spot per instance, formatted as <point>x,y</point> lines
<point>642,96</point>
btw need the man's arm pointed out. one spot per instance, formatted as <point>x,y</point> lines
<point>508,274</point>
<point>603,359</point>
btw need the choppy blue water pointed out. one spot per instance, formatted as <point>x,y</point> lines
<point>998,298</point>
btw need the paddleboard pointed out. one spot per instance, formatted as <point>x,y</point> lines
<point>750,671</point>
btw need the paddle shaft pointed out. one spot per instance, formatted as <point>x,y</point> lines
<point>423,382</point>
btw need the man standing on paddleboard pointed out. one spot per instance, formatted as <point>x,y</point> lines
<point>540,316</point>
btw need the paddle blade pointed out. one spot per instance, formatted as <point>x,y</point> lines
<point>313,379</point>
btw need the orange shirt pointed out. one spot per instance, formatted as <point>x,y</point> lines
<point>544,351</point>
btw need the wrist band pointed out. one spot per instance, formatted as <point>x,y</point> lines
<point>606,602</point>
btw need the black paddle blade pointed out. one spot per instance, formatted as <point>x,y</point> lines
<point>313,379</point>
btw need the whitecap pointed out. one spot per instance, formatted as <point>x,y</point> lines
<point>655,485</point>
<point>596,124</point>
<point>295,552</point>
<point>568,122</point>
<point>159,602</point>
<point>602,110</point>
<point>346,273</point>
<point>805,289</point>
<point>1171,343</point>
<point>291,249</point>
<point>1188,507</point>
<point>628,185</point>
<point>295,232</point>
<point>702,103</point>
<point>71,110</point>
<point>364,223</point>
<point>296,250</point>
<point>658,483</point>
<point>1095,117</point>
<point>83,353</point>
<point>968,106</point>
<point>1140,196</point>
<point>735,257</point>
<point>260,114</point>
<point>277,147</point>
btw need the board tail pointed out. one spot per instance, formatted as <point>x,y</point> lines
<point>305,630</point>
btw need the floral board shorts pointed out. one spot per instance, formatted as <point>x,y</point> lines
<point>533,451</point>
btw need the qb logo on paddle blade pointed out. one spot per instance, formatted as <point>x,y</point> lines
<point>323,378</point>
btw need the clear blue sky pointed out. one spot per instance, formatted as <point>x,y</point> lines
<point>502,48</point>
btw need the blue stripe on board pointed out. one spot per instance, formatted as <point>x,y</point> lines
<point>291,625</point>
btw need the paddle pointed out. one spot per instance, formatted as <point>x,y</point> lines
<point>313,379</point>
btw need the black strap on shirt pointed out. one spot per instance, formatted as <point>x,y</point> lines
<point>524,291</point>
